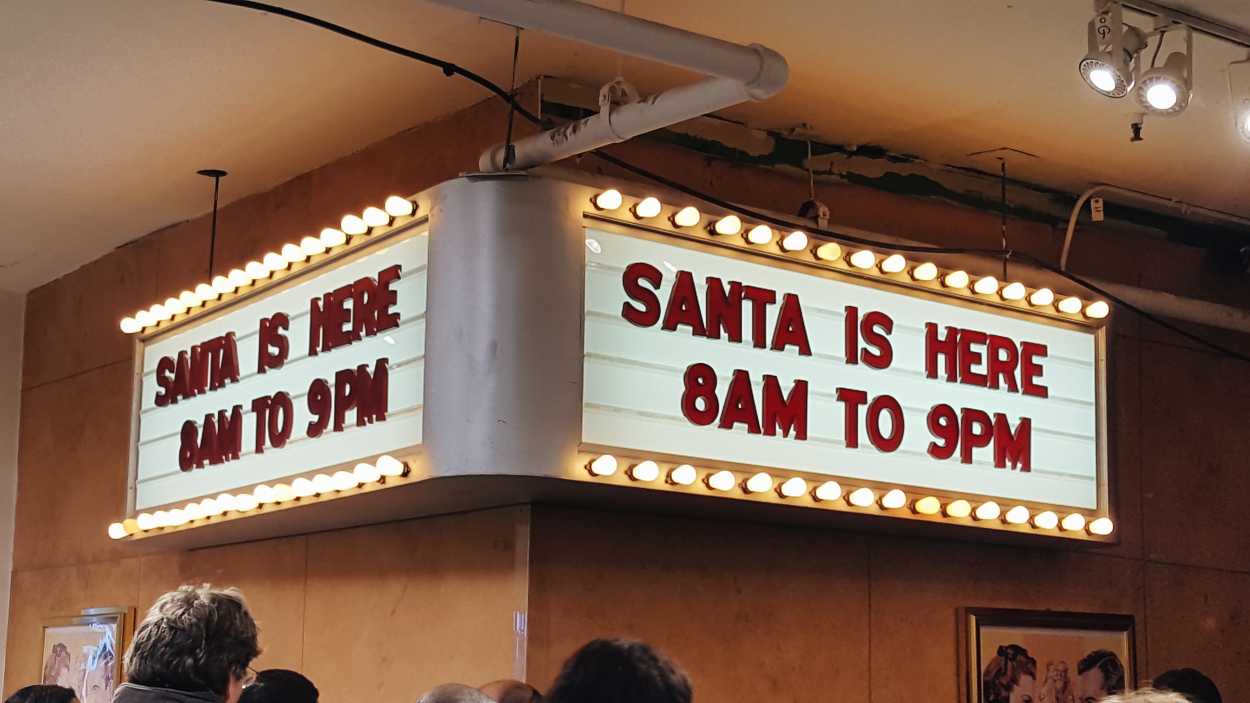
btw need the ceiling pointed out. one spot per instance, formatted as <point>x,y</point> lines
<point>111,107</point>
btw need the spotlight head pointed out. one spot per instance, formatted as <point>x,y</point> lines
<point>1165,90</point>
<point>1112,48</point>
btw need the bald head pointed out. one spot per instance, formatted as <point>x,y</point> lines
<point>454,693</point>
<point>511,691</point>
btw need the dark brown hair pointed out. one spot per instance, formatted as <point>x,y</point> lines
<point>1003,673</point>
<point>620,671</point>
<point>43,694</point>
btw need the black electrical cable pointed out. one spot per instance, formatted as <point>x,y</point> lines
<point>1157,47</point>
<point>451,69</point>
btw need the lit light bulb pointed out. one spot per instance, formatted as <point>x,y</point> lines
<point>117,531</point>
<point>210,507</point>
<point>1097,310</point>
<point>177,518</point>
<point>1162,96</point>
<point>683,475</point>
<point>344,480</point>
<point>792,487</point>
<point>647,208</point>
<point>829,251</point>
<point>795,241</point>
<point>263,494</point>
<point>1070,305</point>
<point>193,511</point>
<point>175,306</point>
<point>988,510</point>
<point>728,225</point>
<point>274,261</point>
<point>353,225</point>
<point>1018,515</point>
<point>131,525</point>
<point>1074,522</point>
<point>958,509</point>
<point>311,246</point>
<point>928,506</point>
<point>256,270</point>
<point>189,299</point>
<point>861,497</point>
<point>1102,79</point>
<point>331,237</point>
<point>986,285</point>
<point>893,499</point>
<point>1101,526</point>
<point>293,254</point>
<point>894,263</point>
<point>721,481</point>
<point>144,318</point>
<point>226,502</point>
<point>609,199</point>
<point>1042,297</point>
<point>390,466</point>
<point>245,503</point>
<point>303,488</point>
<point>759,483</point>
<point>223,285</point>
<point>863,259</point>
<point>956,279</point>
<point>925,272</point>
<point>645,471</point>
<point>283,493</point>
<point>238,278</point>
<point>397,206</point>
<point>159,313</point>
<point>827,491</point>
<point>367,473</point>
<point>1013,291</point>
<point>375,217</point>
<point>688,216</point>
<point>205,292</point>
<point>760,235</point>
<point>1046,520</point>
<point>604,465</point>
<point>322,483</point>
<point>130,325</point>
<point>147,521</point>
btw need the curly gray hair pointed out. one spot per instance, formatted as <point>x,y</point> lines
<point>1146,695</point>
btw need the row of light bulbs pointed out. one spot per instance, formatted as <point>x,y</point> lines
<point>364,474</point>
<point>271,263</point>
<point>830,492</point>
<point>863,260</point>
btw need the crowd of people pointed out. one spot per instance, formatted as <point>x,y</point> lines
<point>197,645</point>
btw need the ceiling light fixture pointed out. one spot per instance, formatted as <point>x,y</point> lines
<point>1113,50</point>
<point>1165,90</point>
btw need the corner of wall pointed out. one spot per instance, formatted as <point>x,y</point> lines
<point>12,313</point>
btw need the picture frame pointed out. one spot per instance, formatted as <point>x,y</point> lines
<point>1044,656</point>
<point>84,652</point>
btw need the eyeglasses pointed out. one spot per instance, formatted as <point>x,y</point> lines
<point>249,677</point>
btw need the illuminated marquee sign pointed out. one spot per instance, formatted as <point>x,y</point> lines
<point>730,362</point>
<point>317,372</point>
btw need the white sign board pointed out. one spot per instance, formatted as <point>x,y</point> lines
<point>718,359</point>
<point>323,370</point>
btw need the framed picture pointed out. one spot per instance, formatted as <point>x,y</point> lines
<point>1043,656</point>
<point>84,652</point>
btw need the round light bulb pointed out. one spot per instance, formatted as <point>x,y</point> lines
<point>256,270</point>
<point>795,241</point>
<point>829,251</point>
<point>1018,515</point>
<point>759,483</point>
<point>397,206</point>
<point>1101,526</point>
<point>303,488</point>
<point>117,531</point>
<point>986,285</point>
<point>283,493</point>
<point>344,480</point>
<point>683,475</point>
<point>177,518</point>
<point>175,306</point>
<point>263,494</point>
<point>367,473</point>
<point>238,278</point>
<point>925,272</point>
<point>792,487</point>
<point>144,318</point>
<point>645,471</point>
<point>1097,310</point>
<point>245,502</point>
<point>760,235</point>
<point>1162,96</point>
<point>688,216</point>
<point>1070,305</point>
<point>863,259</point>
<point>331,237</point>
<point>928,506</point>
<point>226,502</point>
<point>1046,520</point>
<point>293,254</point>
<point>958,509</point>
<point>728,225</point>
<point>390,466</point>
<point>893,499</point>
<point>323,483</point>
<point>609,199</point>
<point>721,481</point>
<point>193,511</point>
<point>159,313</point>
<point>274,261</point>
<point>210,507</point>
<point>311,246</point>
<point>1102,79</point>
<point>1042,297</point>
<point>1013,291</point>
<point>604,465</point>
<point>130,325</point>
<point>205,292</point>
<point>894,263</point>
<point>189,299</point>
<point>1074,522</point>
<point>861,497</point>
<point>988,510</point>
<point>375,217</point>
<point>147,521</point>
<point>827,491</point>
<point>353,225</point>
<point>223,285</point>
<point>647,208</point>
<point>956,279</point>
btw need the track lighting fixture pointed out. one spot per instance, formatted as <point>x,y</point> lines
<point>1165,90</point>
<point>1114,47</point>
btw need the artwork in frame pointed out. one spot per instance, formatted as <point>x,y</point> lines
<point>84,652</point>
<point>1043,656</point>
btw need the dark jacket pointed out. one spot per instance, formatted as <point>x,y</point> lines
<point>134,693</point>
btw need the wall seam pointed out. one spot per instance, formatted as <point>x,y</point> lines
<point>1141,512</point>
<point>76,374</point>
<point>868,565</point>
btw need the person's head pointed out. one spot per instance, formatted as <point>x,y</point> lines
<point>1098,675</point>
<point>280,686</point>
<point>619,671</point>
<point>197,639</point>
<point>1145,695</point>
<point>1190,683</point>
<point>454,693</point>
<point>1010,676</point>
<point>511,691</point>
<point>43,694</point>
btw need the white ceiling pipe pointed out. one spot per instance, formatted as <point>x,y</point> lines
<point>741,73</point>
